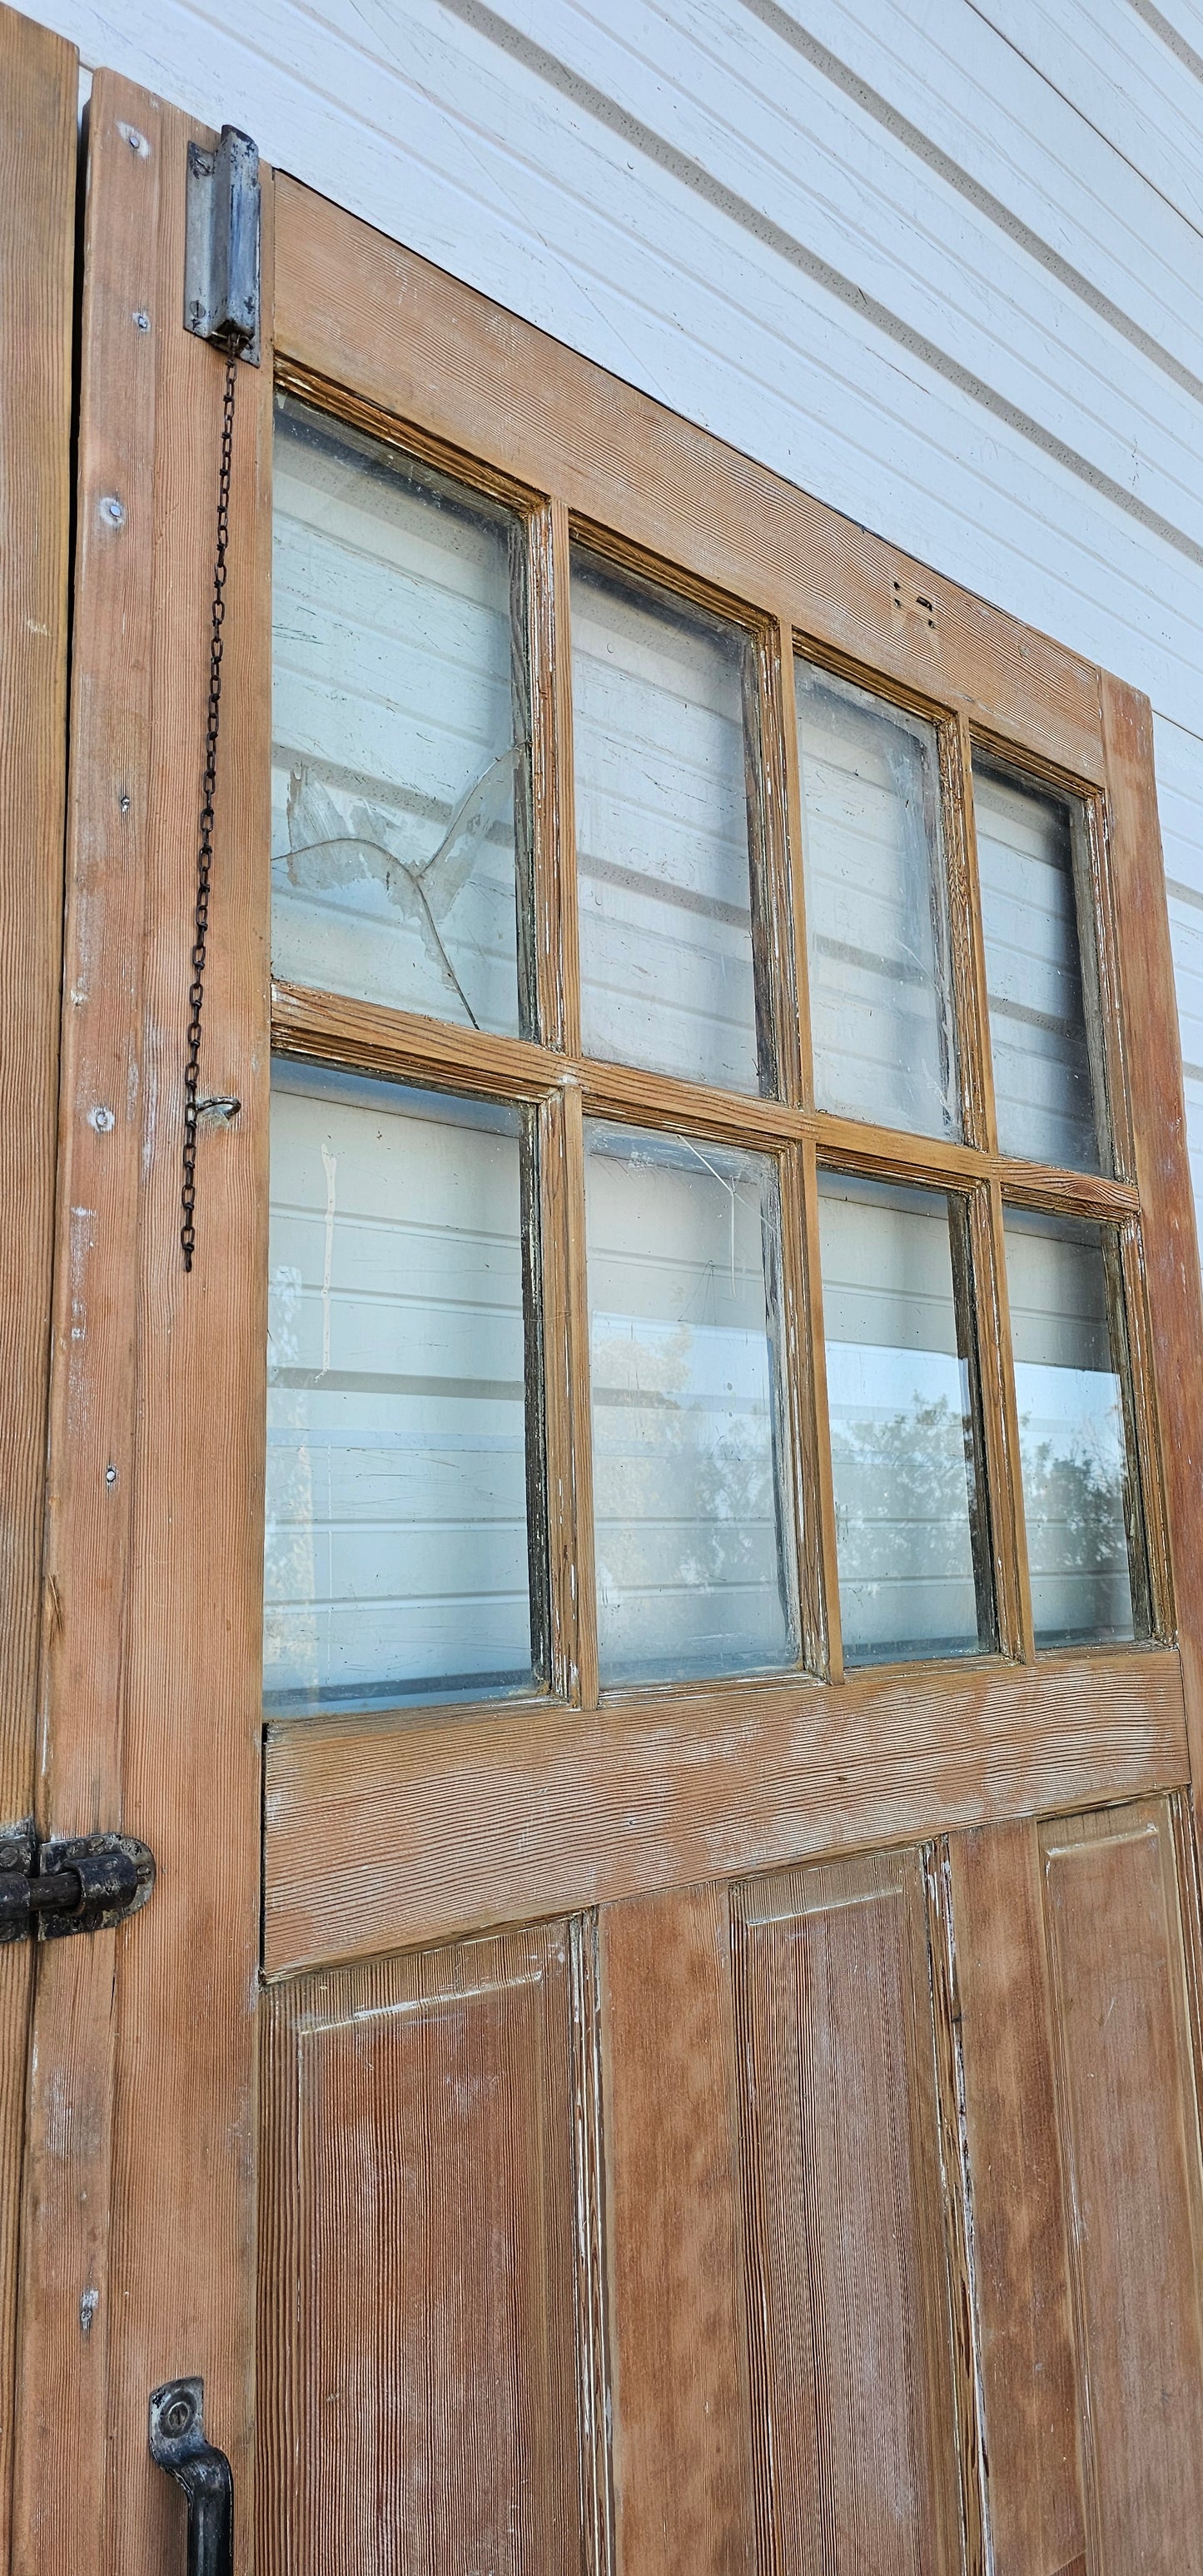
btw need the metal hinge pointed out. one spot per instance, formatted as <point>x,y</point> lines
<point>84,1884</point>
<point>221,245</point>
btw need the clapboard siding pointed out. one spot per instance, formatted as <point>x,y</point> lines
<point>941,266</point>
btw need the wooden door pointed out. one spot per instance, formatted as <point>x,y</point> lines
<point>39,83</point>
<point>670,2010</point>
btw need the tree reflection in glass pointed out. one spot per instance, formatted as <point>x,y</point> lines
<point>911,1529</point>
<point>1080,1502</point>
<point>694,1548</point>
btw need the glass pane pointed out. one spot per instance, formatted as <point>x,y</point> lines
<point>1077,1498</point>
<point>876,909</point>
<point>397,1559</point>
<point>911,1533</point>
<point>1043,1081</point>
<point>662,831</point>
<point>695,1560</point>
<point>401,758</point>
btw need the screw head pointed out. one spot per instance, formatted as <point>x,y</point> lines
<point>177,2416</point>
<point>103,1121</point>
<point>141,320</point>
<point>113,510</point>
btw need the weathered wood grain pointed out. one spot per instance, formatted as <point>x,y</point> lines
<point>1020,2213</point>
<point>684,2469</point>
<point>1169,1243</point>
<point>848,2282</point>
<point>141,2155</point>
<point>1130,2136</point>
<point>419,2369</point>
<point>38,89</point>
<point>382,1833</point>
<point>67,2246</point>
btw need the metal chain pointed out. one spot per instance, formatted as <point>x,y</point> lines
<point>204,855</point>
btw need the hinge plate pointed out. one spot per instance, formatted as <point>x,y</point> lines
<point>78,1883</point>
<point>221,245</point>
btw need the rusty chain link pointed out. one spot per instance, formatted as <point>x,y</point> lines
<point>204,855</point>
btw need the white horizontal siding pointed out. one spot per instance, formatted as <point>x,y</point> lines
<point>941,265</point>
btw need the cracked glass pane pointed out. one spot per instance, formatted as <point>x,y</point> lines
<point>876,909</point>
<point>401,751</point>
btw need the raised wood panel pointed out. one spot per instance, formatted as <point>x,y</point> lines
<point>419,2400</point>
<point>471,1821</point>
<point>1131,2142</point>
<point>683,2461</point>
<point>1020,2246</point>
<point>848,2284</point>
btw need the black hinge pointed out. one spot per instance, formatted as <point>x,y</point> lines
<point>221,245</point>
<point>84,1884</point>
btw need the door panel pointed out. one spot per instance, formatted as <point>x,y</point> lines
<point>1075,1944</point>
<point>827,2180</point>
<point>848,2283</point>
<point>422,2218</point>
<point>684,2470</point>
<point>1131,2143</point>
<point>1020,2214</point>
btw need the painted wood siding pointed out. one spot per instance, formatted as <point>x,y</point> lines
<point>939,264</point>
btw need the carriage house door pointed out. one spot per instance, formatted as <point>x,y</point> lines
<point>644,1586</point>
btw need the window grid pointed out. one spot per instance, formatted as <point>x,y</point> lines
<point>547,1071</point>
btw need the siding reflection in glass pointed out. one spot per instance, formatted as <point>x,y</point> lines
<point>1048,1078</point>
<point>397,1555</point>
<point>911,1524</point>
<point>876,909</point>
<point>693,1522</point>
<point>662,830</point>
<point>1080,1504</point>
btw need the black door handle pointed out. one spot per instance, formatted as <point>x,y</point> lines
<point>177,2444</point>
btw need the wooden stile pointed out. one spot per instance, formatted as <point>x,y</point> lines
<point>138,2245</point>
<point>38,115</point>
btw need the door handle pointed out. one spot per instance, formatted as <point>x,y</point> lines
<point>178,2445</point>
